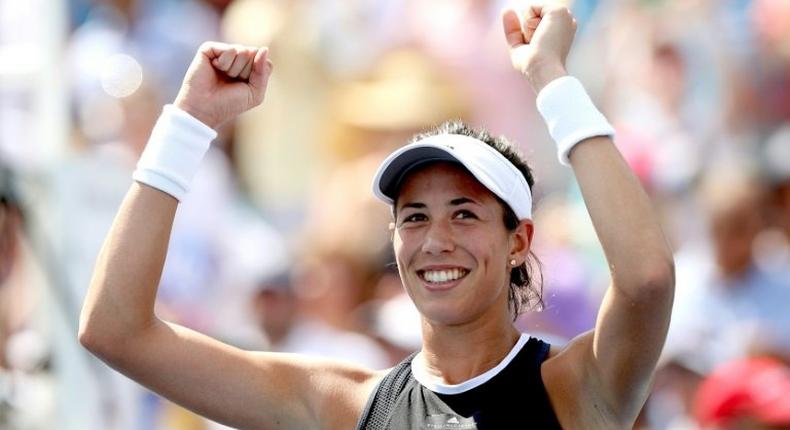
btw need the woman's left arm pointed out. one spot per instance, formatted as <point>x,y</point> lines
<point>634,316</point>
<point>618,358</point>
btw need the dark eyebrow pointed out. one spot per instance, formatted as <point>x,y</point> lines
<point>462,200</point>
<point>414,205</point>
<point>454,202</point>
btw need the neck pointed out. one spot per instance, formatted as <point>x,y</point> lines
<point>456,353</point>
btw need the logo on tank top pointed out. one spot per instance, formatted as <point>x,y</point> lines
<point>449,422</point>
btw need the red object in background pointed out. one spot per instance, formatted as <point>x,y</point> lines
<point>757,388</point>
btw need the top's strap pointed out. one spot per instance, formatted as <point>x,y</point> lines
<point>381,404</point>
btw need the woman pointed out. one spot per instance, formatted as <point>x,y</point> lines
<point>452,197</point>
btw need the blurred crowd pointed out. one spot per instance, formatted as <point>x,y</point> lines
<point>280,246</point>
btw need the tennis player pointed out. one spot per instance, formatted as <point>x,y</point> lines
<point>462,233</point>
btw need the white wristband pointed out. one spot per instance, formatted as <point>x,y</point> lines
<point>570,115</point>
<point>174,151</point>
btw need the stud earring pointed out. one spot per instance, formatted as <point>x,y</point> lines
<point>513,262</point>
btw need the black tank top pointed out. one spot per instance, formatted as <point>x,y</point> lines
<point>509,396</point>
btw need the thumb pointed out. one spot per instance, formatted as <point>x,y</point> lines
<point>511,24</point>
<point>261,70</point>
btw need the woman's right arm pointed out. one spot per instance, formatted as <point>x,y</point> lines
<point>118,324</point>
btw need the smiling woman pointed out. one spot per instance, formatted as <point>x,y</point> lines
<point>523,293</point>
<point>448,224</point>
<point>462,235</point>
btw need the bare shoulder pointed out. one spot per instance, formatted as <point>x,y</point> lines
<point>572,386</point>
<point>341,390</point>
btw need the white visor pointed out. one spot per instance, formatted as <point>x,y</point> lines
<point>485,163</point>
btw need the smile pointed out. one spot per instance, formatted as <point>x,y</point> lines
<point>442,276</point>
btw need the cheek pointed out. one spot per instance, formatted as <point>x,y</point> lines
<point>403,247</point>
<point>492,255</point>
<point>494,263</point>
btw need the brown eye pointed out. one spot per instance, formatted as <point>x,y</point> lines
<point>465,214</point>
<point>415,218</point>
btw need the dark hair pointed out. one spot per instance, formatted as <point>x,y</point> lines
<point>524,293</point>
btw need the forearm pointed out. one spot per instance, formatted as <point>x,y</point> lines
<point>634,317</point>
<point>622,214</point>
<point>224,81</point>
<point>123,289</point>
<point>624,219</point>
<point>120,300</point>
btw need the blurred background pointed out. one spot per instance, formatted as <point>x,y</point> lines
<point>280,245</point>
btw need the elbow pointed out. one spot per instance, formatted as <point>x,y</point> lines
<point>109,339</point>
<point>652,284</point>
<point>663,275</point>
<point>657,282</point>
<point>95,338</point>
<point>87,340</point>
<point>102,345</point>
<point>89,337</point>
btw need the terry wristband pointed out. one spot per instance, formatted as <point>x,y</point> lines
<point>174,151</point>
<point>570,115</point>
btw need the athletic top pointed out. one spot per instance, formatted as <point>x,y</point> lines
<point>510,395</point>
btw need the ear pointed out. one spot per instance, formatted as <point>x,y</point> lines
<point>521,241</point>
<point>391,228</point>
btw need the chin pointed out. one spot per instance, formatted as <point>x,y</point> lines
<point>447,313</point>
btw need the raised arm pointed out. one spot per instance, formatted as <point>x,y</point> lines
<point>619,357</point>
<point>118,324</point>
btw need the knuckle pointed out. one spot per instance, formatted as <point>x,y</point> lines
<point>561,11</point>
<point>207,45</point>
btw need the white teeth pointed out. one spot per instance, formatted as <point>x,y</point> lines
<point>443,275</point>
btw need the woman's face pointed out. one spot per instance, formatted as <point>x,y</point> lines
<point>452,247</point>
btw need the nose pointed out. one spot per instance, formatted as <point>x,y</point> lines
<point>438,239</point>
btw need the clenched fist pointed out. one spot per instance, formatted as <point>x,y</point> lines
<point>539,38</point>
<point>224,81</point>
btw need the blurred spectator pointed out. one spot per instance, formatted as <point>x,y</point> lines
<point>726,307</point>
<point>405,92</point>
<point>343,249</point>
<point>288,329</point>
<point>762,98</point>
<point>143,31</point>
<point>10,224</point>
<point>27,385</point>
<point>745,304</point>
<point>749,394</point>
<point>773,244</point>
